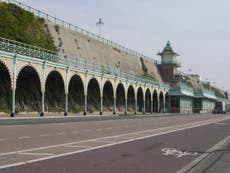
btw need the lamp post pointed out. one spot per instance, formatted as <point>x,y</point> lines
<point>99,24</point>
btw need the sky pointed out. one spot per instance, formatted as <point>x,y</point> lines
<point>199,30</point>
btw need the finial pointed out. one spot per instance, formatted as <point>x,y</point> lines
<point>168,43</point>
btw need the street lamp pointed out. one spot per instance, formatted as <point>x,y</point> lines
<point>99,24</point>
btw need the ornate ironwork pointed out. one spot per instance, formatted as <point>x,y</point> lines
<point>36,52</point>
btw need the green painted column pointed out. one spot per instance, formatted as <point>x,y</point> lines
<point>158,105</point>
<point>101,108</point>
<point>85,105</point>
<point>126,106</point>
<point>144,107</point>
<point>14,87</point>
<point>43,104</point>
<point>43,89</point>
<point>135,106</point>
<point>66,92</point>
<point>151,106</point>
<point>114,106</point>
<point>66,104</point>
<point>13,103</point>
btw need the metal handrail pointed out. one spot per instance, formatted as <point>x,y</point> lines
<point>77,29</point>
<point>36,52</point>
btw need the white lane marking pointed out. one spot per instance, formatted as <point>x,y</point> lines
<point>3,139</point>
<point>77,146</point>
<point>44,135</point>
<point>37,154</point>
<point>103,141</point>
<point>220,123</point>
<point>193,125</point>
<point>180,127</point>
<point>24,137</point>
<point>123,137</point>
<point>177,153</point>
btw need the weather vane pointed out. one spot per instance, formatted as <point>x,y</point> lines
<point>100,23</point>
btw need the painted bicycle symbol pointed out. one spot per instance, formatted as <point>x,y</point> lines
<point>177,153</point>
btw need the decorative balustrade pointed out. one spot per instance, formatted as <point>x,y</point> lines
<point>36,52</point>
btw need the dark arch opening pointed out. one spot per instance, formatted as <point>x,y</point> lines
<point>148,101</point>
<point>93,96</point>
<point>131,99</point>
<point>28,90</point>
<point>108,96</point>
<point>167,103</point>
<point>155,102</point>
<point>5,89</point>
<point>120,97</point>
<point>76,95</point>
<point>161,102</point>
<point>140,101</point>
<point>55,92</point>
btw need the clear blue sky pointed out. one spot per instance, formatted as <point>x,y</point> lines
<point>199,30</point>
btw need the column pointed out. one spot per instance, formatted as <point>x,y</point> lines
<point>164,104</point>
<point>66,104</point>
<point>85,105</point>
<point>158,104</point>
<point>13,88</point>
<point>13,103</point>
<point>126,106</point>
<point>43,103</point>
<point>43,89</point>
<point>151,105</point>
<point>135,106</point>
<point>144,106</point>
<point>101,108</point>
<point>66,91</point>
<point>114,105</point>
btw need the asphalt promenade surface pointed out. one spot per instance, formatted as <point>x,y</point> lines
<point>158,144</point>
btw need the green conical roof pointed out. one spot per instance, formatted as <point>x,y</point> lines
<point>168,50</point>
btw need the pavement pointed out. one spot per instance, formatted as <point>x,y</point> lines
<point>21,120</point>
<point>149,144</point>
<point>216,160</point>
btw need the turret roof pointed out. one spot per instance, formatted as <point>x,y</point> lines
<point>168,50</point>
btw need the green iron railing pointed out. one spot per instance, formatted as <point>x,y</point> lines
<point>76,28</point>
<point>36,52</point>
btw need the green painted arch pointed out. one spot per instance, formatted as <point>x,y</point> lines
<point>32,67</point>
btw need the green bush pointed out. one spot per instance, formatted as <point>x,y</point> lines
<point>20,25</point>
